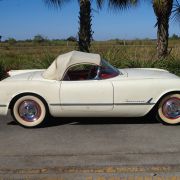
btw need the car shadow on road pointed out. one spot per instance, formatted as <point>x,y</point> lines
<point>94,121</point>
<point>101,121</point>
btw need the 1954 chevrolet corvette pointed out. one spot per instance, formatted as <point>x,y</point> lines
<point>84,85</point>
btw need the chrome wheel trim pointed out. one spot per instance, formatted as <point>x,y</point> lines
<point>29,110</point>
<point>171,108</point>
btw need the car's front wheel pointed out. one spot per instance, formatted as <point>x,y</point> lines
<point>29,111</point>
<point>169,109</point>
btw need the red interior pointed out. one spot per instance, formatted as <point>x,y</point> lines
<point>107,76</point>
<point>78,75</point>
<point>86,74</point>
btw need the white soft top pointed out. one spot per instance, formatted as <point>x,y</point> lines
<point>57,69</point>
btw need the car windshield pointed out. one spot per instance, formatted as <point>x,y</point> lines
<point>107,70</point>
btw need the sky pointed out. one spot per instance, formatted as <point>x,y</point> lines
<point>23,19</point>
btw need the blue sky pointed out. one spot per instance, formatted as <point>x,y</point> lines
<point>23,19</point>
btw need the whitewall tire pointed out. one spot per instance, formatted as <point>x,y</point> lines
<point>29,111</point>
<point>169,109</point>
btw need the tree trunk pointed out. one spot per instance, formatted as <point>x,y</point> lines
<point>85,32</point>
<point>162,38</point>
<point>162,9</point>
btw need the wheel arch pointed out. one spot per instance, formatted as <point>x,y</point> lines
<point>16,97</point>
<point>165,94</point>
<point>160,98</point>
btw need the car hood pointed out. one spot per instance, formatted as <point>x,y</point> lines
<point>147,73</point>
<point>24,75</point>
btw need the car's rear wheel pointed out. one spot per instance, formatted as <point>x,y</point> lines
<point>169,109</point>
<point>29,111</point>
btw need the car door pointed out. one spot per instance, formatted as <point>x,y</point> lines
<point>90,95</point>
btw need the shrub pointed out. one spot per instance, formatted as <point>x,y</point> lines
<point>72,39</point>
<point>175,37</point>
<point>39,39</point>
<point>11,41</point>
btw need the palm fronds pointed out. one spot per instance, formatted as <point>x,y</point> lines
<point>55,3</point>
<point>176,11</point>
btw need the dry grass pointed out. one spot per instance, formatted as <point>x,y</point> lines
<point>137,53</point>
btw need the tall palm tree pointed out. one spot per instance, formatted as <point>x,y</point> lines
<point>163,11</point>
<point>85,17</point>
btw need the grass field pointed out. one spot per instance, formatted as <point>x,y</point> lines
<point>122,54</point>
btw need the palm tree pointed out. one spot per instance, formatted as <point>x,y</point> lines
<point>176,11</point>
<point>163,11</point>
<point>85,17</point>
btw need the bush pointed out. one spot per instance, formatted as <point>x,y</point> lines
<point>72,39</point>
<point>175,37</point>
<point>39,39</point>
<point>11,41</point>
<point>125,57</point>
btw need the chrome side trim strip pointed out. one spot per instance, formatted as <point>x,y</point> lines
<point>103,104</point>
<point>129,104</point>
<point>1,105</point>
<point>85,104</point>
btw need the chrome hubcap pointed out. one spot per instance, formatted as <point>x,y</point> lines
<point>29,111</point>
<point>171,108</point>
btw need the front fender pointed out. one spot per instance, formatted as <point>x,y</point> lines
<point>49,91</point>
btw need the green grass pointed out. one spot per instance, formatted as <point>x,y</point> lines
<point>135,54</point>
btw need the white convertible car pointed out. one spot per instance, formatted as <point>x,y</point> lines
<point>84,85</point>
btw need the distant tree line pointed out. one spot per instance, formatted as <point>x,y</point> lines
<point>38,39</point>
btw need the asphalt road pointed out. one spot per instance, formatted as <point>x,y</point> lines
<point>88,148</point>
